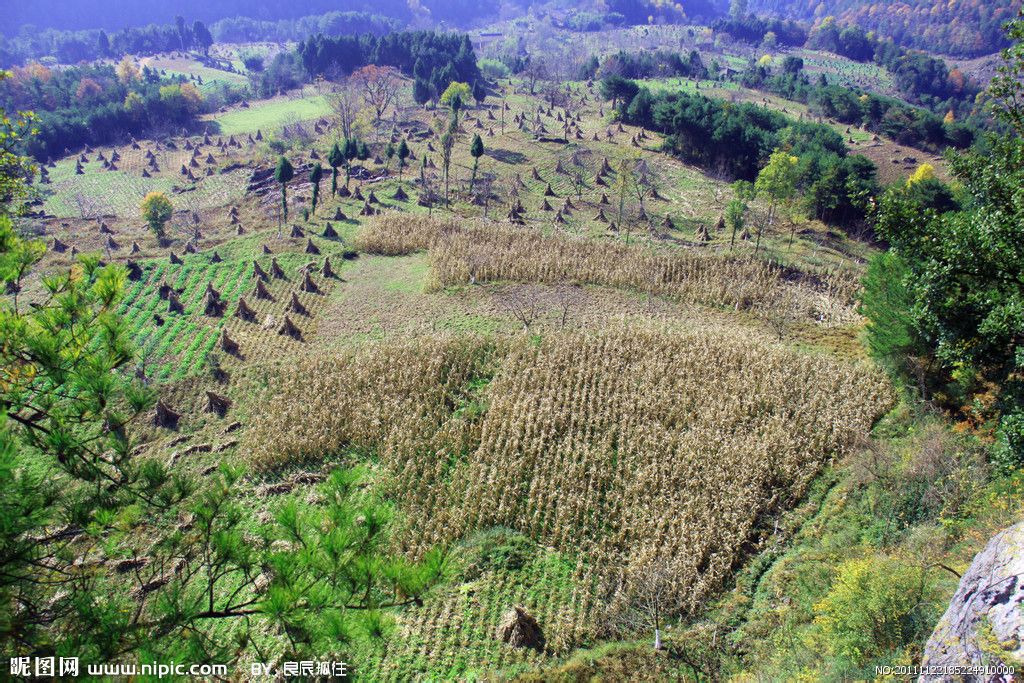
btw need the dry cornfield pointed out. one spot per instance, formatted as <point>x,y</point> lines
<point>464,252</point>
<point>623,447</point>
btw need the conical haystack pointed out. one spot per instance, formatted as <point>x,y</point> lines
<point>261,292</point>
<point>295,306</point>
<point>227,344</point>
<point>244,312</point>
<point>217,404</point>
<point>288,329</point>
<point>165,417</point>
<point>519,629</point>
<point>308,285</point>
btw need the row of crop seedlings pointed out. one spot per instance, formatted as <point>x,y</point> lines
<point>455,634</point>
<point>186,339</point>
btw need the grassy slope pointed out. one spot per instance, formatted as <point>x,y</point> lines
<point>271,114</point>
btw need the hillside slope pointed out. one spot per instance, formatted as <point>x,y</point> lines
<point>957,27</point>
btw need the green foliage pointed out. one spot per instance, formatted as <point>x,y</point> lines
<point>886,303</point>
<point>735,212</point>
<point>335,158</point>
<point>876,605</point>
<point>497,549</point>
<point>316,174</point>
<point>1007,89</point>
<point>156,211</point>
<point>68,403</point>
<point>1008,453</point>
<point>14,167</point>
<point>422,92</point>
<point>437,59</point>
<point>617,88</point>
<point>455,96</point>
<point>476,150</point>
<point>494,69</point>
<point>777,183</point>
<point>965,267</point>
<point>322,573</point>
<point>283,173</point>
<point>89,104</point>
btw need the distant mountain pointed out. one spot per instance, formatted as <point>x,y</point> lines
<point>114,15</point>
<point>953,27</point>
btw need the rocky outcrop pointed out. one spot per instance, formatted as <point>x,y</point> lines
<point>984,624</point>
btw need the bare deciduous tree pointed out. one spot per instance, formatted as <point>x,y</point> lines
<point>569,297</point>
<point>579,171</point>
<point>379,85</point>
<point>647,601</point>
<point>484,190</point>
<point>780,311</point>
<point>536,70</point>
<point>87,206</point>
<point>346,103</point>
<point>520,302</point>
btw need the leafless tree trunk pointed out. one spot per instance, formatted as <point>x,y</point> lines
<point>346,103</point>
<point>649,600</point>
<point>520,302</point>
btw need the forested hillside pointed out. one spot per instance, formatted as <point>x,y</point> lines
<point>957,27</point>
<point>113,15</point>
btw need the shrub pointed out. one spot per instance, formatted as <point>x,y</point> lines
<point>493,68</point>
<point>497,549</point>
<point>876,606</point>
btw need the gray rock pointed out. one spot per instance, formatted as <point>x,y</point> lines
<point>989,597</point>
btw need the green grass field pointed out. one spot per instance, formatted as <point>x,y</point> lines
<point>271,115</point>
<point>119,192</point>
<point>190,67</point>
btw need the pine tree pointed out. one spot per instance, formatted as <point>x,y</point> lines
<point>316,174</point>
<point>476,149</point>
<point>335,158</point>
<point>403,153</point>
<point>283,174</point>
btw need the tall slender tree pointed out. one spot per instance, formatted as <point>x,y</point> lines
<point>777,183</point>
<point>316,174</point>
<point>335,158</point>
<point>402,153</point>
<point>476,150</point>
<point>201,37</point>
<point>283,174</point>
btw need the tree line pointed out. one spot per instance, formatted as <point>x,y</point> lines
<point>434,59</point>
<point>72,47</point>
<point>737,140</point>
<point>921,78</point>
<point>97,104</point>
<point>907,124</point>
<point>965,28</point>
<point>945,303</point>
<point>656,64</point>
